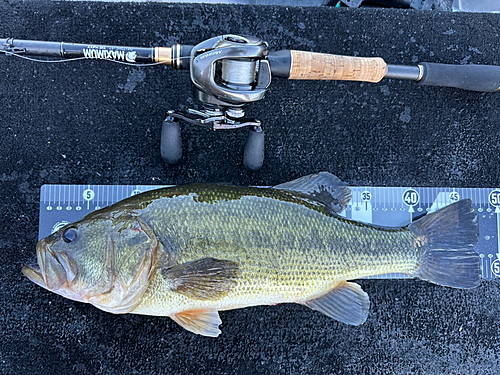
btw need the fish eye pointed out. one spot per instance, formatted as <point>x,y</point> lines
<point>69,235</point>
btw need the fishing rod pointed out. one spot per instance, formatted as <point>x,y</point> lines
<point>229,72</point>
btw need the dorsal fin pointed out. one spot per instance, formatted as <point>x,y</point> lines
<point>323,187</point>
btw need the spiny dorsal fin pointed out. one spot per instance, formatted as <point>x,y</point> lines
<point>323,187</point>
<point>202,322</point>
<point>347,303</point>
<point>203,279</point>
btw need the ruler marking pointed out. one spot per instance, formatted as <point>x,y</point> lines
<point>79,197</point>
<point>383,200</point>
<point>88,202</point>
<point>498,236</point>
<point>97,196</point>
<point>71,190</point>
<point>50,196</point>
<point>65,201</point>
<point>392,199</point>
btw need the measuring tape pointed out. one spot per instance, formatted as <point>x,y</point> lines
<point>385,206</point>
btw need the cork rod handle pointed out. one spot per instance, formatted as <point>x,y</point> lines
<point>321,66</point>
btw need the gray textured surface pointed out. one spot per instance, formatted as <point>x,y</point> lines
<point>98,122</point>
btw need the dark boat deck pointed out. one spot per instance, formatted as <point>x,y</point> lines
<point>95,122</point>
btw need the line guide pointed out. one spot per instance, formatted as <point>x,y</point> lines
<point>386,206</point>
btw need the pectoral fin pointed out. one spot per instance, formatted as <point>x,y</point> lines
<point>347,303</point>
<point>203,279</point>
<point>202,322</point>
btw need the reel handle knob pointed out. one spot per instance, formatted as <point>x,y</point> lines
<point>171,142</point>
<point>253,155</point>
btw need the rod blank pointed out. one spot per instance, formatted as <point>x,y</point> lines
<point>91,51</point>
<point>403,72</point>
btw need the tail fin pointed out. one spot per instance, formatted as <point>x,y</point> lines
<point>448,237</point>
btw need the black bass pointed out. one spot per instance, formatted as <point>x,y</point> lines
<point>190,251</point>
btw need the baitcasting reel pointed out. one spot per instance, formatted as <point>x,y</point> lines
<point>227,73</point>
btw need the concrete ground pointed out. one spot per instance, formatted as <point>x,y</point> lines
<point>94,122</point>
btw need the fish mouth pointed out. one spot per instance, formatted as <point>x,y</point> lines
<point>34,273</point>
<point>50,272</point>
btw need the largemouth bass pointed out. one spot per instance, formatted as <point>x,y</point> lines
<point>190,251</point>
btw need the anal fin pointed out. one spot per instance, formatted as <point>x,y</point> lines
<point>202,322</point>
<point>347,303</point>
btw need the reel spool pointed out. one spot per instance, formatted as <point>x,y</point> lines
<point>227,72</point>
